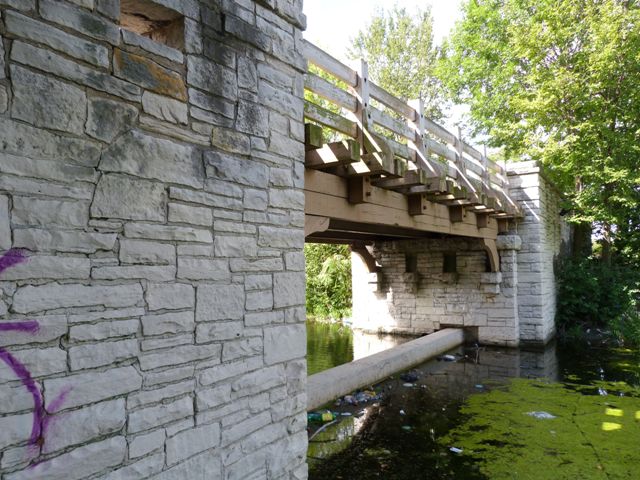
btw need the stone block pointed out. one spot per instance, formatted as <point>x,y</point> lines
<point>201,467</point>
<point>146,252</point>
<point>190,442</point>
<point>255,199</point>
<point>247,347</point>
<point>157,48</point>
<point>147,397</point>
<point>508,242</point>
<point>5,224</point>
<point>258,282</point>
<point>36,212</point>
<point>259,300</point>
<point>203,198</point>
<point>199,268</point>
<point>120,196</point>
<point>63,241</point>
<point>103,353</point>
<point>144,444</point>
<point>217,331</point>
<point>49,267</point>
<point>73,465</point>
<point>168,232</point>
<point>15,429</point>
<point>4,93</point>
<point>168,323</point>
<point>148,74</point>
<point>144,468</point>
<point>30,299</point>
<point>180,355</point>
<point>260,265</point>
<point>230,141</point>
<point>179,213</point>
<point>80,20</point>
<point>143,155</point>
<point>287,199</point>
<point>259,381</point>
<point>220,302</point>
<point>253,119</point>
<point>263,318</point>
<point>212,103</point>
<point>212,77</point>
<point>83,425</point>
<point>284,343</point>
<point>103,330</point>
<point>44,33</point>
<point>233,169</point>
<point>275,237</point>
<point>165,108</point>
<point>91,387</point>
<point>63,67</point>
<point>174,296</point>
<point>153,417</point>
<point>46,102</point>
<point>227,246</point>
<point>288,289</point>
<point>106,119</point>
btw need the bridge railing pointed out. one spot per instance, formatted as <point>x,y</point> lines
<point>399,147</point>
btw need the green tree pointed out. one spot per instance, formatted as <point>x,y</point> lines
<point>399,48</point>
<point>558,81</point>
<point>328,271</point>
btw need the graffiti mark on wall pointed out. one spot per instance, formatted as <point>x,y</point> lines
<point>41,420</point>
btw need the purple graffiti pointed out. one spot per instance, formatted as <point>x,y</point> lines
<point>10,258</point>
<point>41,419</point>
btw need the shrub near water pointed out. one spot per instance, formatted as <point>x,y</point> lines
<point>328,269</point>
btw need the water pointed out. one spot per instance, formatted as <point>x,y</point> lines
<point>566,412</point>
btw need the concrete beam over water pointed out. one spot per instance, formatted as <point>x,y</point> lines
<point>336,382</point>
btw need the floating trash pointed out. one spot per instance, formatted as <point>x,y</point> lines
<point>455,450</point>
<point>408,385</point>
<point>402,412</point>
<point>541,415</point>
<point>407,428</point>
<point>321,417</point>
<point>479,387</point>
<point>446,358</point>
<point>602,391</point>
<point>409,377</point>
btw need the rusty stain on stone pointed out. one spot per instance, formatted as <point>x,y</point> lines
<point>149,74</point>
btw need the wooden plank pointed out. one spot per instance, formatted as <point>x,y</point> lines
<point>418,204</point>
<point>330,119</point>
<point>482,220</point>
<point>391,124</point>
<point>328,63</point>
<point>457,213</point>
<point>359,189</point>
<point>312,136</point>
<point>409,179</point>
<point>392,102</point>
<point>314,224</point>
<point>331,92</point>
<point>333,154</point>
<point>441,150</point>
<point>439,131</point>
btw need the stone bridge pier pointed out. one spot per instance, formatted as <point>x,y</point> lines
<point>423,285</point>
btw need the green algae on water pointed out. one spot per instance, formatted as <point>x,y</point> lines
<point>592,436</point>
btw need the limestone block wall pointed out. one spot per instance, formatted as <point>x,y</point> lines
<point>545,237</point>
<point>427,298</point>
<point>151,233</point>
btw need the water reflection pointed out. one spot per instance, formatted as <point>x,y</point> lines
<point>474,418</point>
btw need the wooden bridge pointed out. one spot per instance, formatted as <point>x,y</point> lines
<point>377,168</point>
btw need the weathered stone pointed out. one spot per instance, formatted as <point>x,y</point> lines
<point>149,74</point>
<point>84,425</point>
<point>145,156</point>
<point>247,74</point>
<point>215,374</point>
<point>213,397</point>
<point>63,241</point>
<point>39,362</point>
<point>72,45</point>
<point>259,300</point>
<point>294,261</point>
<point>203,198</point>
<point>123,313</point>
<point>191,215</point>
<point>246,347</point>
<point>173,296</point>
<point>216,331</point>
<point>63,67</point>
<point>201,467</point>
<point>120,196</point>
<point>154,273</point>
<point>180,355</point>
<point>151,46</point>
<point>149,344</point>
<point>74,465</point>
<point>168,232</point>
<point>248,33</point>
<point>104,353</point>
<point>234,169</point>
<point>143,252</point>
<point>45,102</point>
<point>24,5</point>
<point>107,118</point>
<point>49,267</point>
<point>80,20</point>
<point>219,302</point>
<point>188,443</point>
<point>143,468</point>
<point>227,246</point>
<point>258,282</point>
<point>284,343</point>
<point>15,429</point>
<point>203,269</point>
<point>168,323</point>
<point>147,397</point>
<point>281,237</point>
<point>188,135</point>
<point>35,212</point>
<point>263,318</point>
<point>230,140</point>
<point>165,108</point>
<point>260,265</point>
<point>50,327</point>
<point>290,199</point>
<point>109,8</point>
<point>5,227</point>
<point>103,330</point>
<point>143,444</point>
<point>4,95</point>
<point>48,297</point>
<point>215,104</point>
<point>93,386</point>
<point>253,119</point>
<point>288,289</point>
<point>255,199</point>
<point>212,77</point>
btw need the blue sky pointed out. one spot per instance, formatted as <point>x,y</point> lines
<point>331,24</point>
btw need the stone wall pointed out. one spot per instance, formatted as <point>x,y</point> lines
<point>151,232</point>
<point>413,294</point>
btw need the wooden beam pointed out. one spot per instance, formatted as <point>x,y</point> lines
<point>482,220</point>
<point>492,252</point>
<point>366,256</point>
<point>503,225</point>
<point>333,154</point>
<point>411,178</point>
<point>457,213</point>
<point>359,189</point>
<point>312,136</point>
<point>314,224</point>
<point>418,204</point>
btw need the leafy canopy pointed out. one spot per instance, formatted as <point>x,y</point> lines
<point>557,81</point>
<point>398,46</point>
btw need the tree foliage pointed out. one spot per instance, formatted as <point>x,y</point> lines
<point>328,270</point>
<point>558,81</point>
<point>399,49</point>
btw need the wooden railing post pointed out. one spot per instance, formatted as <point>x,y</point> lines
<point>486,174</point>
<point>459,152</point>
<point>421,147</point>
<point>362,110</point>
